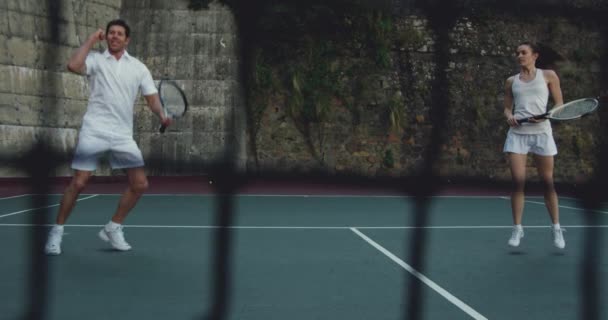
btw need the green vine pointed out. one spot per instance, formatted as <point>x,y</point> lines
<point>381,28</point>
<point>410,38</point>
<point>314,82</point>
<point>313,57</point>
<point>388,161</point>
<point>262,84</point>
<point>397,114</point>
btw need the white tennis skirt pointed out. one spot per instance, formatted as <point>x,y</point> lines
<point>123,151</point>
<point>540,143</point>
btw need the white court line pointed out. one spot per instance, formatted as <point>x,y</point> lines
<point>561,206</point>
<point>481,227</point>
<point>361,196</point>
<point>567,207</point>
<point>296,227</point>
<point>457,302</point>
<point>245,195</point>
<point>32,209</point>
<point>18,196</point>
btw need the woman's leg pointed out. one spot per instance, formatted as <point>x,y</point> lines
<point>518,175</point>
<point>544,165</point>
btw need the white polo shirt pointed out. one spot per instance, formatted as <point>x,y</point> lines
<point>114,86</point>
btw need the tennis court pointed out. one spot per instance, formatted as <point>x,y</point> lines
<point>357,151</point>
<point>306,256</point>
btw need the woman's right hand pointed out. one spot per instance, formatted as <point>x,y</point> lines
<point>512,121</point>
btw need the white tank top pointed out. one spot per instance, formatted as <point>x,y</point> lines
<point>529,99</point>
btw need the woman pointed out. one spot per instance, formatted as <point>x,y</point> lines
<point>527,94</point>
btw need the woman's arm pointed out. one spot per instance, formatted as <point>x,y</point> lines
<point>508,103</point>
<point>554,86</point>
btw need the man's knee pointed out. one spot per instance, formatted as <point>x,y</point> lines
<point>78,184</point>
<point>140,186</point>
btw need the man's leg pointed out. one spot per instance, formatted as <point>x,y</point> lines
<point>138,184</point>
<point>77,184</point>
<point>112,232</point>
<point>71,193</point>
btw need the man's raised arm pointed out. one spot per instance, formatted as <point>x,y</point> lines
<point>77,60</point>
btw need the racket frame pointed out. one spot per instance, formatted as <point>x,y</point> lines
<point>547,115</point>
<point>162,101</point>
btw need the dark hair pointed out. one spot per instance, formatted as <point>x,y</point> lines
<point>547,57</point>
<point>533,46</point>
<point>119,22</point>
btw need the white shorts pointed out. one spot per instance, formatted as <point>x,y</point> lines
<point>541,144</point>
<point>123,150</point>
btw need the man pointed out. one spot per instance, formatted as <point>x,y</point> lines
<point>115,78</point>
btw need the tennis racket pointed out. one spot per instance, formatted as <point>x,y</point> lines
<point>173,100</point>
<point>567,111</point>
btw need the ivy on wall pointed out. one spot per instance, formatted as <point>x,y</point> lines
<point>316,54</point>
<point>318,59</point>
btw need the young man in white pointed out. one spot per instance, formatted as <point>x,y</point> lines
<point>115,79</point>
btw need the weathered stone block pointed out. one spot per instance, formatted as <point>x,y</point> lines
<point>18,140</point>
<point>22,51</point>
<point>4,53</point>
<point>40,111</point>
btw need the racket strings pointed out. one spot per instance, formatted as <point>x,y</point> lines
<point>173,100</point>
<point>574,110</point>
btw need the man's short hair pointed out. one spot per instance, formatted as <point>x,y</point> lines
<point>119,22</point>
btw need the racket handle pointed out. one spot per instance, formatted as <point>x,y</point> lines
<point>162,128</point>
<point>538,117</point>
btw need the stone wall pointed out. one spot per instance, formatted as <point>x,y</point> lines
<point>39,99</point>
<point>197,49</point>
<point>370,136</point>
<point>379,125</point>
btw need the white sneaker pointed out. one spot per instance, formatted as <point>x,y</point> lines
<point>516,236</point>
<point>115,237</point>
<point>53,243</point>
<point>558,237</point>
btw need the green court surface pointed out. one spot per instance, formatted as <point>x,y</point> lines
<point>306,257</point>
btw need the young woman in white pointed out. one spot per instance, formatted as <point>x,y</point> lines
<point>527,94</point>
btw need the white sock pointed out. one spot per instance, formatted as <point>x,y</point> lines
<point>58,228</point>
<point>112,225</point>
<point>518,227</point>
<point>556,226</point>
